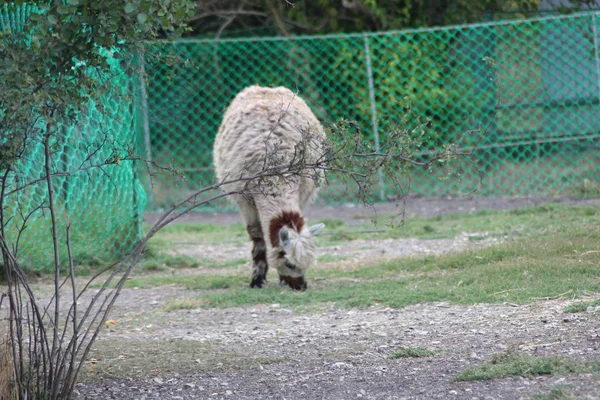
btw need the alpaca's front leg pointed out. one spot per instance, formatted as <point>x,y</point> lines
<point>259,255</point>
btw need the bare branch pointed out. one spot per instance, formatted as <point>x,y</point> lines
<point>229,20</point>
<point>228,14</point>
<point>277,18</point>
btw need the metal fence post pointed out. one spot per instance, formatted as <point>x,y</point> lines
<point>145,122</point>
<point>373,111</point>
<point>144,105</point>
<point>595,32</point>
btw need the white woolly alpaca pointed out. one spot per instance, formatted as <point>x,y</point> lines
<point>263,127</point>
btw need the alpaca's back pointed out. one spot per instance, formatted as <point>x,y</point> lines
<point>258,123</point>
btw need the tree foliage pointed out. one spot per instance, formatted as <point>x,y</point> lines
<point>47,65</point>
<point>288,17</point>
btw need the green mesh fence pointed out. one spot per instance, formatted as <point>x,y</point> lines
<point>532,85</point>
<point>103,205</point>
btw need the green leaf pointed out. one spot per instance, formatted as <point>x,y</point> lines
<point>73,2</point>
<point>52,20</point>
<point>129,8</point>
<point>142,17</point>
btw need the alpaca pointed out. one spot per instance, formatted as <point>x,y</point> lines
<point>263,128</point>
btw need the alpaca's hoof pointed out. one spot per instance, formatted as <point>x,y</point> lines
<point>257,282</point>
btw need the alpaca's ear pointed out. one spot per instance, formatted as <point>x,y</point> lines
<point>315,228</point>
<point>284,236</point>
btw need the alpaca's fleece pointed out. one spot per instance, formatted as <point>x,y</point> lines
<point>263,128</point>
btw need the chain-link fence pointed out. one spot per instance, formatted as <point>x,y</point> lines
<point>103,204</point>
<point>531,85</point>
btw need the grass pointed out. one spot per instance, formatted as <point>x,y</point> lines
<point>555,254</point>
<point>582,306</point>
<point>515,272</point>
<point>196,282</point>
<point>415,352</point>
<point>187,304</point>
<point>162,261</point>
<point>529,221</point>
<point>176,234</point>
<point>516,364</point>
<point>325,258</point>
<point>586,189</point>
<point>558,258</point>
<point>100,234</point>
<point>559,392</point>
<point>524,222</point>
<point>156,260</point>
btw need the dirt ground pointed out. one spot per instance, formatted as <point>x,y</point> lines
<point>409,207</point>
<point>271,352</point>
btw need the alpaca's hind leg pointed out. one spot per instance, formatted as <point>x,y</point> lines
<point>259,255</point>
<point>259,247</point>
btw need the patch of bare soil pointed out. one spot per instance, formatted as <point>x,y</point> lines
<point>271,352</point>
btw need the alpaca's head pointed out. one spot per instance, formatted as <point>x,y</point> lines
<point>293,249</point>
<point>297,248</point>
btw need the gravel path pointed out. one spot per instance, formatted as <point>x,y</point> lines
<point>343,354</point>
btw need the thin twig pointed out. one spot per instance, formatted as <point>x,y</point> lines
<point>558,296</point>
<point>56,345</point>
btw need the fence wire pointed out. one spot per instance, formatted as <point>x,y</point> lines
<point>103,205</point>
<point>533,87</point>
